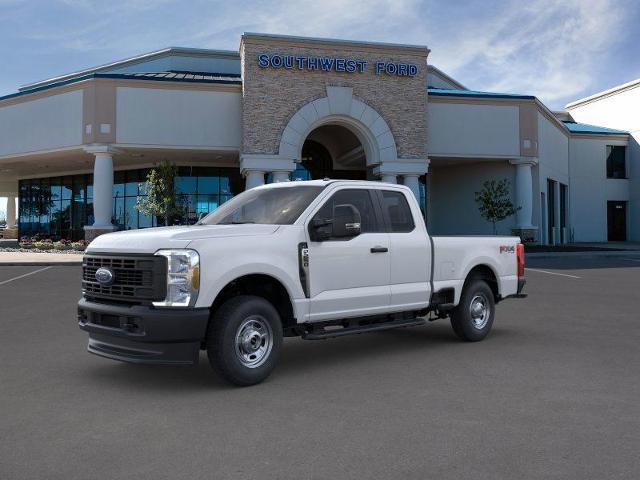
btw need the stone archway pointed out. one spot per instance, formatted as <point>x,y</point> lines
<point>339,107</point>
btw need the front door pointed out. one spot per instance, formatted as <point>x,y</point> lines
<point>617,221</point>
<point>350,277</point>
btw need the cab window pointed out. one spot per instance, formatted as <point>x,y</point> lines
<point>361,200</point>
<point>397,210</point>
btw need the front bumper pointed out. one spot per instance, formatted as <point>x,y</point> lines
<point>143,334</point>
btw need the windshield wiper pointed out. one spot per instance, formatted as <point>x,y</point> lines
<point>236,222</point>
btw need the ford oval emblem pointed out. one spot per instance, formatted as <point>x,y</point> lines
<point>104,276</point>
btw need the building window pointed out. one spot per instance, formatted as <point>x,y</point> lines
<point>60,207</point>
<point>616,164</point>
<point>203,189</point>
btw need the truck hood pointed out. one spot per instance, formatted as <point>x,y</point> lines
<point>149,240</point>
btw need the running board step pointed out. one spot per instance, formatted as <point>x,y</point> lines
<point>321,334</point>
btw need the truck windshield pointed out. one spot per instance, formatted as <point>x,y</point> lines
<point>274,206</point>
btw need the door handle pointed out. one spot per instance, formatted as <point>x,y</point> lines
<point>379,249</point>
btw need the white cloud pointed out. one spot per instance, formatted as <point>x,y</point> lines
<point>544,47</point>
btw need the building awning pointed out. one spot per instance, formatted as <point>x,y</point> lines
<point>170,76</point>
<point>585,128</point>
<point>477,94</point>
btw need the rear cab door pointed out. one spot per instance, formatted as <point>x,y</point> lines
<point>409,249</point>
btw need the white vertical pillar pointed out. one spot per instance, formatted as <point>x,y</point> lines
<point>524,193</point>
<point>413,182</point>
<point>103,190</point>
<point>254,178</point>
<point>389,178</point>
<point>280,176</point>
<point>11,211</point>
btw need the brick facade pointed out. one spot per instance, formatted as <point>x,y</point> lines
<point>272,96</point>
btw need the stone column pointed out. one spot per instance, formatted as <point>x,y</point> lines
<point>409,169</point>
<point>102,191</point>
<point>389,178</point>
<point>413,182</point>
<point>11,212</point>
<point>254,178</point>
<point>524,198</point>
<point>253,166</point>
<point>280,176</point>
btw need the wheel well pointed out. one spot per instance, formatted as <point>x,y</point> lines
<point>263,286</point>
<point>484,272</point>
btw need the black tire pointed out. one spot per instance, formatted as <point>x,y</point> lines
<point>468,320</point>
<point>230,358</point>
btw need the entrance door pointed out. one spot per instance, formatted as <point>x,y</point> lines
<point>350,277</point>
<point>551,211</point>
<point>543,219</point>
<point>617,221</point>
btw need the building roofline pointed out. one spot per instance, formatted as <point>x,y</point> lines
<point>336,41</point>
<point>588,129</point>
<point>445,92</point>
<point>120,76</point>
<point>132,61</point>
<point>605,93</point>
<point>447,77</point>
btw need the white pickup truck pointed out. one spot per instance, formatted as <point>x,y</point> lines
<point>314,259</point>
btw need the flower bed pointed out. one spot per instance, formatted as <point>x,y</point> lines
<point>36,244</point>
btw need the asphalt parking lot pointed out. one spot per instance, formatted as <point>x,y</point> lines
<point>553,392</point>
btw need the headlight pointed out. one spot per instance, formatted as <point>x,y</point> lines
<point>183,278</point>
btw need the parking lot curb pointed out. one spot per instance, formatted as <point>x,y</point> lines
<point>617,253</point>
<point>41,264</point>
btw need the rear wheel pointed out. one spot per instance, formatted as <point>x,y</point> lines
<point>473,317</point>
<point>244,340</point>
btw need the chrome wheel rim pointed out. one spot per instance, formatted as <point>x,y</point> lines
<point>480,311</point>
<point>254,341</point>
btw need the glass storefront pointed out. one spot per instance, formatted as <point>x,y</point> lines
<point>59,207</point>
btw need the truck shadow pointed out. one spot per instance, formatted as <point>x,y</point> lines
<point>298,357</point>
<point>302,356</point>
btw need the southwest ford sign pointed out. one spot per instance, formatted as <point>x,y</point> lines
<point>334,64</point>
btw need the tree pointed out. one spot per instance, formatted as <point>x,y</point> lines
<point>161,199</point>
<point>494,202</point>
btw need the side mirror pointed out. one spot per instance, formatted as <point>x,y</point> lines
<point>346,221</point>
<point>200,217</point>
<point>321,229</point>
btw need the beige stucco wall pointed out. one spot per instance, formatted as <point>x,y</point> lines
<point>50,122</point>
<point>453,209</point>
<point>178,117</point>
<point>272,96</point>
<point>460,129</point>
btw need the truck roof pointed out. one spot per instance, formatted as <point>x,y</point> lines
<point>328,181</point>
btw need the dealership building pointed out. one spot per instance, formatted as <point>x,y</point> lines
<point>75,149</point>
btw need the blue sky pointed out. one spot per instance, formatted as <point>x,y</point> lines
<point>557,50</point>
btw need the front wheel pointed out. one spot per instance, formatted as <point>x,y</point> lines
<point>473,317</point>
<point>244,340</point>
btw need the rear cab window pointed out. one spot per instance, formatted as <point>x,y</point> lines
<point>397,211</point>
